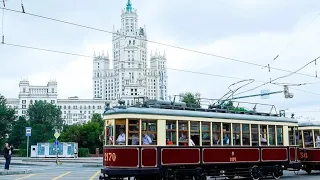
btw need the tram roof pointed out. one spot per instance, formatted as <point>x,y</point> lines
<point>188,113</point>
<point>308,123</point>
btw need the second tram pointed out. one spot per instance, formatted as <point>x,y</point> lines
<point>170,142</point>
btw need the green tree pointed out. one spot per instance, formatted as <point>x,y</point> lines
<point>90,133</point>
<point>96,117</point>
<point>191,99</point>
<point>7,117</point>
<point>44,119</point>
<point>17,136</point>
<point>72,133</point>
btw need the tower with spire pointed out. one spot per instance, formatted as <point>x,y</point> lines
<point>130,76</point>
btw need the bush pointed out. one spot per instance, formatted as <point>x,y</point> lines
<point>83,152</point>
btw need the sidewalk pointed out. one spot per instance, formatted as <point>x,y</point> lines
<point>50,161</point>
<point>11,172</point>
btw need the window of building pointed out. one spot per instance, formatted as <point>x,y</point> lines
<point>133,134</point>
<point>272,135</point>
<point>236,134</point>
<point>24,90</point>
<point>52,90</point>
<point>183,133</point>
<point>120,131</point>
<point>149,132</point>
<point>279,135</point>
<point>245,134</point>
<point>171,132</point>
<point>205,128</point>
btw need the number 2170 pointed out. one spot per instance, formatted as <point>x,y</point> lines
<point>110,157</point>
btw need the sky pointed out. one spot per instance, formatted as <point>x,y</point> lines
<point>247,30</point>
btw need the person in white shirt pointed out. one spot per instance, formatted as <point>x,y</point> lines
<point>146,139</point>
<point>135,139</point>
<point>191,143</point>
<point>121,138</point>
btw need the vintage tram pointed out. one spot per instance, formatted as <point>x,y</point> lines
<point>309,141</point>
<point>171,141</point>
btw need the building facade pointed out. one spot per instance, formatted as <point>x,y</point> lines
<point>130,76</point>
<point>74,110</point>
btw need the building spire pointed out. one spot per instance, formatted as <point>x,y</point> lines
<point>129,6</point>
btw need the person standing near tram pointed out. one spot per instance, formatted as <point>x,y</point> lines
<point>7,152</point>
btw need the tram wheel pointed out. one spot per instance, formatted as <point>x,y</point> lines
<point>255,173</point>
<point>277,173</point>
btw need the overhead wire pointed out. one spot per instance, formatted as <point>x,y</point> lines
<point>280,77</point>
<point>173,69</point>
<point>154,42</point>
<point>291,42</point>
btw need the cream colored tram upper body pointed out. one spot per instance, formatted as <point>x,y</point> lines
<point>134,126</point>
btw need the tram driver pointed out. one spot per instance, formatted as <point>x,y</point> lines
<point>122,137</point>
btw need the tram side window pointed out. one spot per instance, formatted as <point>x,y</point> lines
<point>279,135</point>
<point>245,135</point>
<point>216,133</point>
<point>272,135</point>
<point>263,135</point>
<point>171,131</point>
<point>236,134</point>
<point>317,137</point>
<point>205,128</point>
<point>291,134</point>
<point>308,138</point>
<point>109,133</point>
<point>183,133</point>
<point>149,132</point>
<point>120,131</point>
<point>133,134</point>
<point>194,133</point>
<point>255,135</point>
<point>226,133</point>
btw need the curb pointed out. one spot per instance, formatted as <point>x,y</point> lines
<point>92,165</point>
<point>12,172</point>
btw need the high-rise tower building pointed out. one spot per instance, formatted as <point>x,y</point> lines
<point>130,76</point>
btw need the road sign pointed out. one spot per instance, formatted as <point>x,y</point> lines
<point>28,131</point>
<point>56,135</point>
<point>56,142</point>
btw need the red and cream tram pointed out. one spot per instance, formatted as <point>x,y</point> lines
<point>169,142</point>
<point>309,141</point>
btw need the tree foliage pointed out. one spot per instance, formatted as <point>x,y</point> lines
<point>7,117</point>
<point>191,99</point>
<point>86,135</point>
<point>17,136</point>
<point>44,119</point>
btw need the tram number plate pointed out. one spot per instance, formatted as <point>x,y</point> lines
<point>110,157</point>
<point>303,155</point>
<point>233,159</point>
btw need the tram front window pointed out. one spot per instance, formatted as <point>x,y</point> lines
<point>120,135</point>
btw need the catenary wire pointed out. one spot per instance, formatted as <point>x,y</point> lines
<point>291,42</point>
<point>155,42</point>
<point>174,69</point>
<point>280,77</point>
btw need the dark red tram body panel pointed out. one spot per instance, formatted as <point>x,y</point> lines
<point>148,160</point>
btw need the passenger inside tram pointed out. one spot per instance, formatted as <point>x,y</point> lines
<point>226,140</point>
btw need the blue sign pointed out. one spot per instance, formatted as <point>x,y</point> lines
<point>56,142</point>
<point>28,131</point>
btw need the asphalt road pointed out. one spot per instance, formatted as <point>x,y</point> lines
<point>76,171</point>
